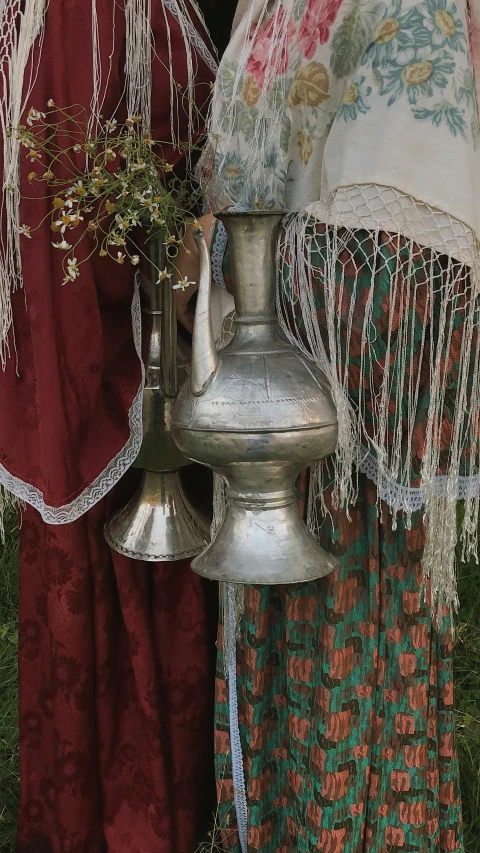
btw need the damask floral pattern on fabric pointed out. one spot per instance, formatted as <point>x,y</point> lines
<point>115,686</point>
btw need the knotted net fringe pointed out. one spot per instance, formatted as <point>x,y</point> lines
<point>429,253</point>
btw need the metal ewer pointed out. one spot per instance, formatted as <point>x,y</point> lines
<point>257,412</point>
<point>159,522</point>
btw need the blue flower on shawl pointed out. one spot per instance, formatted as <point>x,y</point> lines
<point>354,101</point>
<point>418,71</point>
<point>442,26</point>
<point>232,169</point>
<point>392,33</point>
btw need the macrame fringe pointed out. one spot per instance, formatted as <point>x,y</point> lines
<point>451,283</point>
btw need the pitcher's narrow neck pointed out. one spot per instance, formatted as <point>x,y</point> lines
<point>252,243</point>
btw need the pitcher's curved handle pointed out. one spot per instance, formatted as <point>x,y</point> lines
<point>204,350</point>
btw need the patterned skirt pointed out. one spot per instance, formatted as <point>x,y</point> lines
<point>344,685</point>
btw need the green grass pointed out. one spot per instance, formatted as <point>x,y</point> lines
<point>467,701</point>
<point>9,754</point>
<point>467,686</point>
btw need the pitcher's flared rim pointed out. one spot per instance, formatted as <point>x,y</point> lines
<point>227,214</point>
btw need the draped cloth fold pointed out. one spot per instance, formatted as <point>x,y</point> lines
<point>72,386</point>
<point>116,692</point>
<point>115,656</point>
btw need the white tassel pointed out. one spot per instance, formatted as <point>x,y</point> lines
<point>384,450</point>
<point>18,33</point>
<point>138,62</point>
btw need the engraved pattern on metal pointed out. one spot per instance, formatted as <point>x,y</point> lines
<point>257,412</point>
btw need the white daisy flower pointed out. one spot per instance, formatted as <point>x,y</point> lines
<point>25,230</point>
<point>183,284</point>
<point>135,259</point>
<point>122,223</point>
<point>73,270</point>
<point>34,115</point>
<point>63,245</point>
<point>164,275</point>
<point>64,221</point>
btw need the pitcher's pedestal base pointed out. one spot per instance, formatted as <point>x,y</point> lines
<point>159,523</point>
<point>263,546</point>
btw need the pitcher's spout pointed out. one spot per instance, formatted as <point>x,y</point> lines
<point>204,350</point>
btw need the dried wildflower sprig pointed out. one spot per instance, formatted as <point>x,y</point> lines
<point>105,186</point>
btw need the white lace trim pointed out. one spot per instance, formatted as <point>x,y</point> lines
<point>403,498</point>
<point>193,34</point>
<point>217,254</point>
<point>114,470</point>
<point>238,773</point>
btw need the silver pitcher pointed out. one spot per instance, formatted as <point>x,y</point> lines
<point>159,522</point>
<point>257,412</point>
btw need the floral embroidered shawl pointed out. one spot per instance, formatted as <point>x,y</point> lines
<point>362,115</point>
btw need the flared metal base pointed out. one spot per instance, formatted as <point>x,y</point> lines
<point>264,542</point>
<point>159,522</point>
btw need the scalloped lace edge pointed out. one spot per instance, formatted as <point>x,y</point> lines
<point>217,254</point>
<point>411,499</point>
<point>114,471</point>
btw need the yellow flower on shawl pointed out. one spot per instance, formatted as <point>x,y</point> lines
<point>386,30</point>
<point>351,95</point>
<point>304,146</point>
<point>445,22</point>
<point>417,73</point>
<point>310,86</point>
<point>250,91</point>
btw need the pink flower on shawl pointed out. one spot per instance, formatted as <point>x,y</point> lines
<point>262,58</point>
<point>316,24</point>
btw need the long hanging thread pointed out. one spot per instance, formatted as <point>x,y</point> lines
<point>20,26</point>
